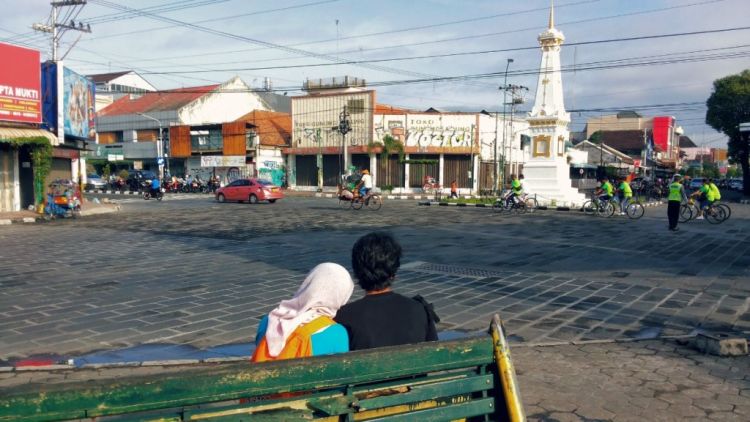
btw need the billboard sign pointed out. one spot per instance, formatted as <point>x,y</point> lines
<point>222,160</point>
<point>78,105</point>
<point>20,90</point>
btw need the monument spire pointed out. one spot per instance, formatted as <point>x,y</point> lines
<point>552,14</point>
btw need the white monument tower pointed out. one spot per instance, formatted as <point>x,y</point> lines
<point>547,172</point>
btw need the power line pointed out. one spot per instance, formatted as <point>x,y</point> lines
<point>467,53</point>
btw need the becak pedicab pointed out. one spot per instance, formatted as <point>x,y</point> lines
<point>63,199</point>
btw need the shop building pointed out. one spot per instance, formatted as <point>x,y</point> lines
<point>45,107</point>
<point>319,153</point>
<point>179,127</point>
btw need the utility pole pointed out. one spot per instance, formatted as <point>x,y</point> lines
<point>53,26</point>
<point>514,100</point>
<point>320,160</point>
<point>344,128</point>
<point>505,92</point>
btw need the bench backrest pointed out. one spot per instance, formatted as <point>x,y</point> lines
<point>430,381</point>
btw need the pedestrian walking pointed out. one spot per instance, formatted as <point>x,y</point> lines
<point>454,189</point>
<point>676,195</point>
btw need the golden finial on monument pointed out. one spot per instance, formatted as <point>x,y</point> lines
<point>552,14</point>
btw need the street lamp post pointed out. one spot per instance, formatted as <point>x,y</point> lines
<point>159,147</point>
<point>505,92</point>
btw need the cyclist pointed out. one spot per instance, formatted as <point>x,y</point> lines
<point>705,198</point>
<point>714,189</point>
<point>365,184</point>
<point>674,201</point>
<point>605,191</point>
<point>516,189</point>
<point>624,194</point>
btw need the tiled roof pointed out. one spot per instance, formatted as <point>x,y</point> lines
<point>156,101</point>
<point>623,140</point>
<point>386,109</point>
<point>106,77</point>
<point>274,129</point>
<point>686,142</point>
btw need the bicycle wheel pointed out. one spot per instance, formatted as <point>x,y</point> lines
<point>588,208</point>
<point>605,209</point>
<point>635,210</point>
<point>686,213</point>
<point>427,188</point>
<point>345,203</point>
<point>357,203</point>
<point>695,209</point>
<point>531,204</point>
<point>715,215</point>
<point>374,202</point>
<point>727,210</point>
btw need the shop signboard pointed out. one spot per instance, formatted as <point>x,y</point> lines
<point>20,85</point>
<point>222,160</point>
<point>429,130</point>
<point>78,105</point>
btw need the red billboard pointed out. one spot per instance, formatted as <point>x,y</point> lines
<point>20,90</point>
<point>663,126</point>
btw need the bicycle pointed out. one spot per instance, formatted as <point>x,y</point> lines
<point>598,207</point>
<point>521,205</point>
<point>372,201</point>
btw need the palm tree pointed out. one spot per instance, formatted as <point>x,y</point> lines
<point>386,147</point>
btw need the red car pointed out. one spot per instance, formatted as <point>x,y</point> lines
<point>250,190</point>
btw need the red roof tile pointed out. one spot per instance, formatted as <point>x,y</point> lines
<point>156,101</point>
<point>274,128</point>
<point>386,109</point>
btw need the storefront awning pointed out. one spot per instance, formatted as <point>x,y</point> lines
<point>15,133</point>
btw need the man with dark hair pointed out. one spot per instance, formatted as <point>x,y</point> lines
<point>383,317</point>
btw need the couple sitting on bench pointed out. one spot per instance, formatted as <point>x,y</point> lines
<point>317,321</point>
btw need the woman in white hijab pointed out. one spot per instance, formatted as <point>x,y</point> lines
<point>303,325</point>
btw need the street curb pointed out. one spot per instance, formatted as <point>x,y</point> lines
<point>539,208</point>
<point>85,213</point>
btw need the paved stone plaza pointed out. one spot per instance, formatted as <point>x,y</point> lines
<point>195,272</point>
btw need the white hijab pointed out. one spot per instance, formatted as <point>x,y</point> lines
<point>326,289</point>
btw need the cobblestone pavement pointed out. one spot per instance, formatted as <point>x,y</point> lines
<point>654,380</point>
<point>200,273</point>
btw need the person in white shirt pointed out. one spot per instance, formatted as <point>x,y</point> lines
<point>365,184</point>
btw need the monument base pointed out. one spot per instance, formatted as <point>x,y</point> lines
<point>550,181</point>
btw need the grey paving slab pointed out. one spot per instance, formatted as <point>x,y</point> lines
<point>193,266</point>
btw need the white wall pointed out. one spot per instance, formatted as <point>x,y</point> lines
<point>219,107</point>
<point>134,80</point>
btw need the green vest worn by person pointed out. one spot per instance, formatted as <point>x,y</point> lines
<point>675,192</point>
<point>715,190</point>
<point>607,188</point>
<point>625,189</point>
<point>706,190</point>
<point>515,184</point>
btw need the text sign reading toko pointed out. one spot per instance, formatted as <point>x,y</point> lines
<point>20,99</point>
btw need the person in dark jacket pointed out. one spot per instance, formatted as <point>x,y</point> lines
<point>383,317</point>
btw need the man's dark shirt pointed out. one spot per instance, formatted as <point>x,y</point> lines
<point>386,319</point>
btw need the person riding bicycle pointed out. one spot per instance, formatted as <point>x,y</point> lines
<point>365,184</point>
<point>624,194</point>
<point>605,192</point>
<point>516,190</point>
<point>155,186</point>
<point>714,190</point>
<point>705,198</point>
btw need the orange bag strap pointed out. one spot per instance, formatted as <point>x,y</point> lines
<point>299,343</point>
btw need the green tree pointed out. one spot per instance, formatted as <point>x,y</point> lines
<point>389,146</point>
<point>728,106</point>
<point>596,137</point>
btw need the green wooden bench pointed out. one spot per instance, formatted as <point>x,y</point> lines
<point>466,379</point>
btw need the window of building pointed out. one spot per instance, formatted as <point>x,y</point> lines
<point>206,140</point>
<point>355,106</point>
<point>250,139</point>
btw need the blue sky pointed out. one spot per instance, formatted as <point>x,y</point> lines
<point>417,28</point>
